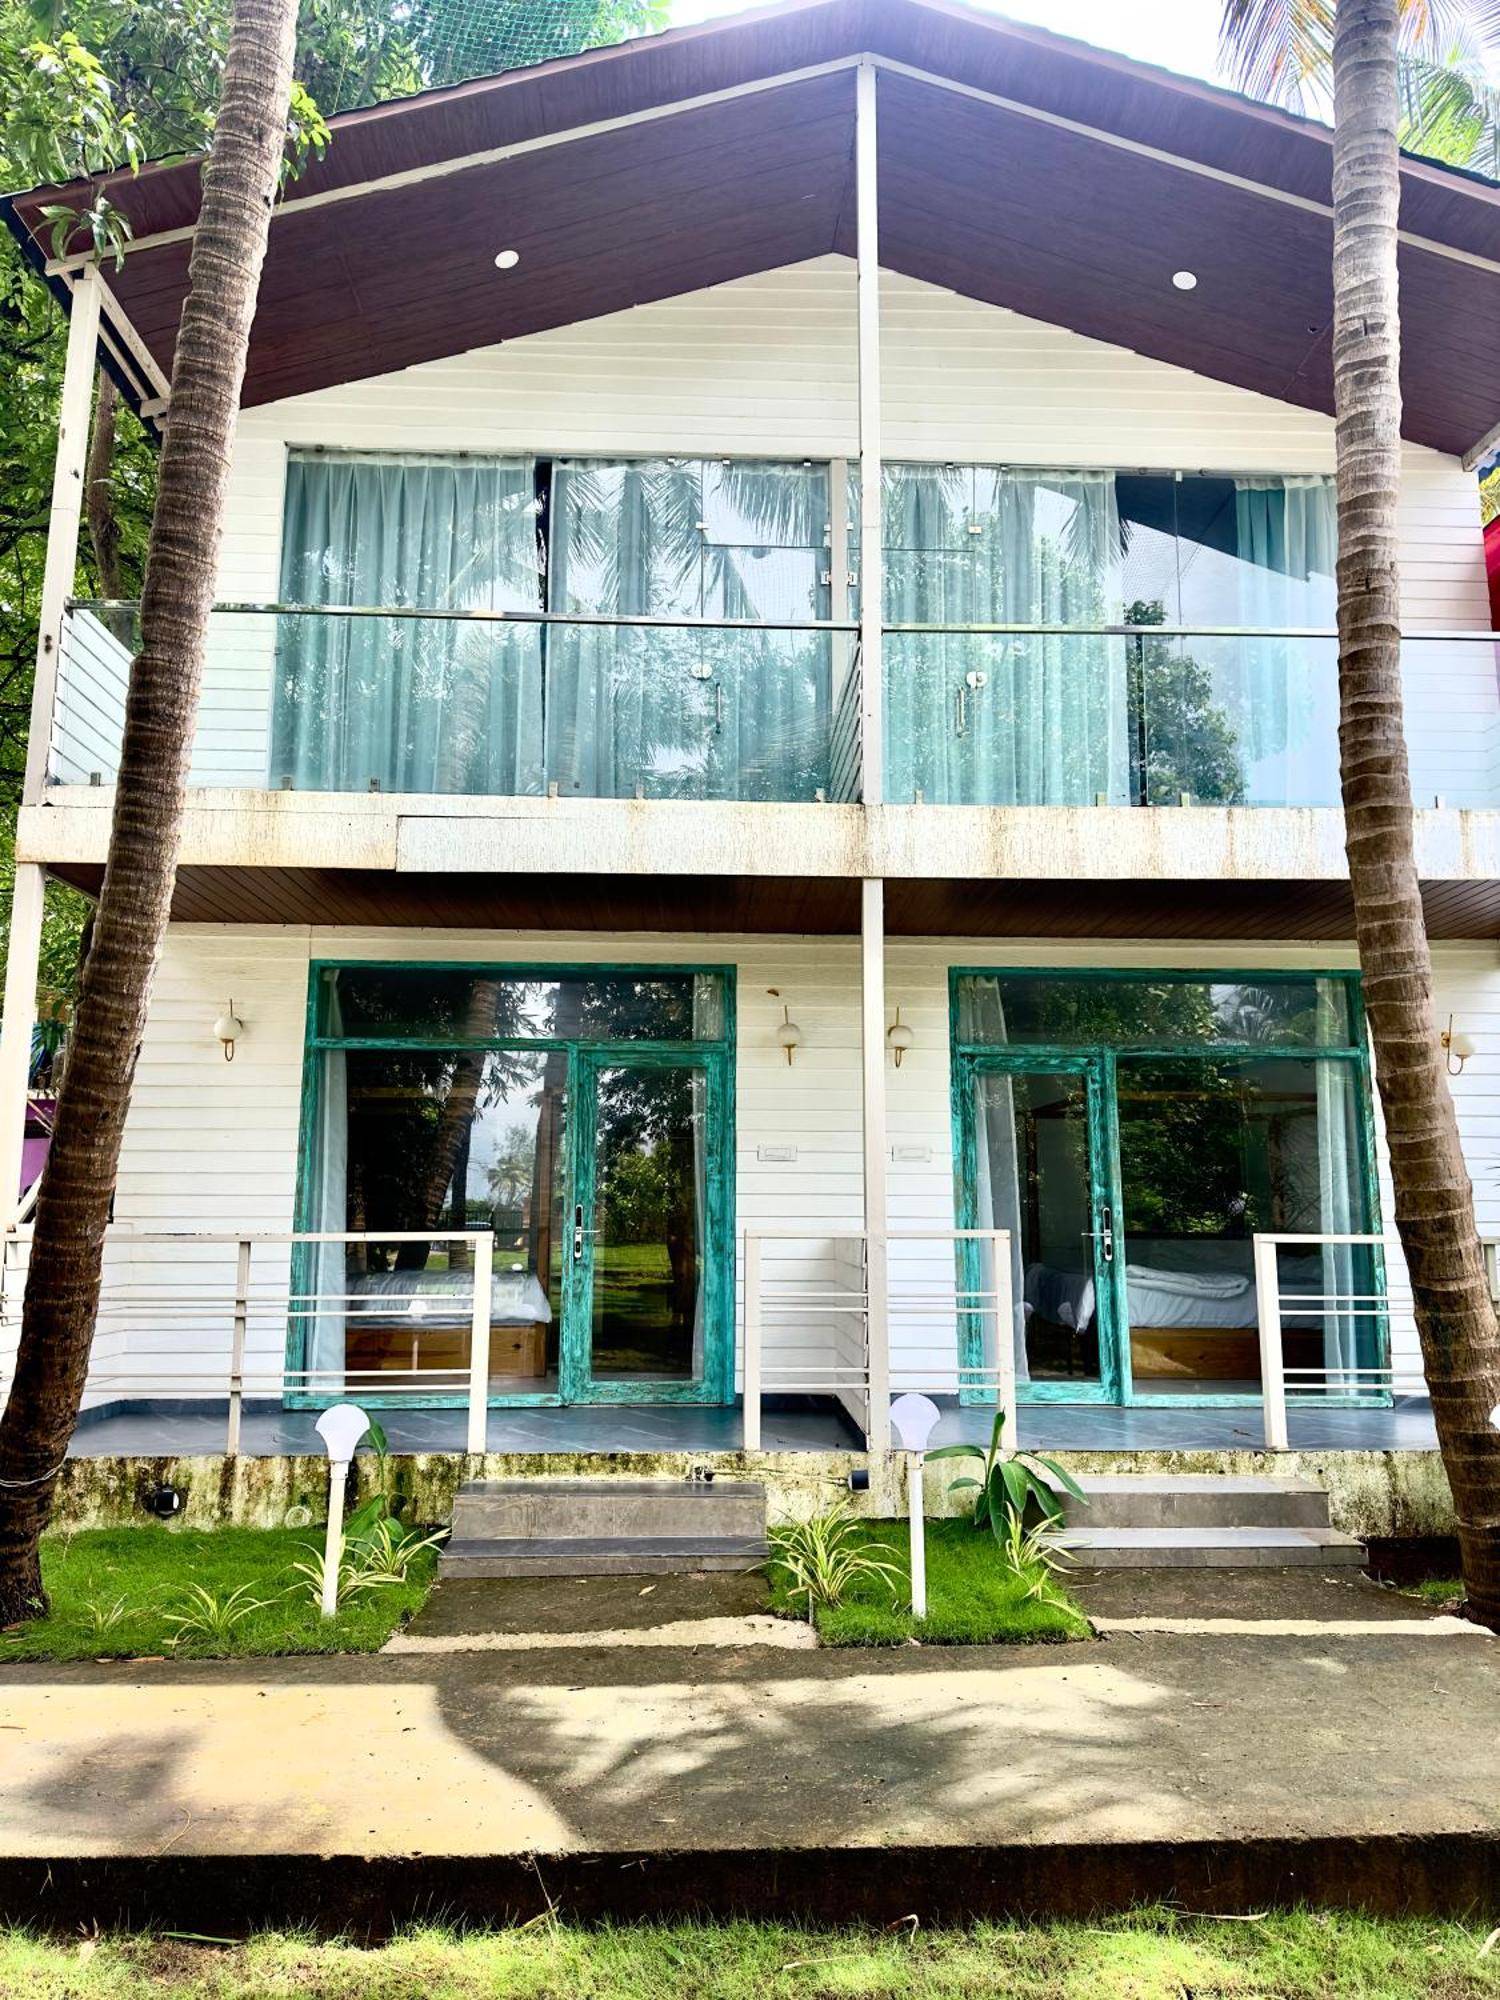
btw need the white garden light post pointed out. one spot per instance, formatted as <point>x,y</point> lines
<point>913,1420</point>
<point>341,1429</point>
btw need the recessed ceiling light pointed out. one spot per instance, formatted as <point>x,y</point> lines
<point>507,260</point>
<point>1185,281</point>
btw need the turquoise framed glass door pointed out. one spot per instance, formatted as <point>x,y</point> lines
<point>647,1300</point>
<point>1038,1154</point>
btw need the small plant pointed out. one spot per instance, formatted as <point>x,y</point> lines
<point>203,1615</point>
<point>386,1554</point>
<point>1036,1557</point>
<point>1011,1486</point>
<point>825,1557</point>
<point>99,1619</point>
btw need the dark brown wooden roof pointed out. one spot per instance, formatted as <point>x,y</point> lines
<point>1072,200</point>
<point>1305,911</point>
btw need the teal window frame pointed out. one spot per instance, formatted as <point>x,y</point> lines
<point>716,1055</point>
<point>968,1057</point>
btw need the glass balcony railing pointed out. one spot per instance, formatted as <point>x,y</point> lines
<point>529,704</point>
<point>500,704</point>
<point>1156,716</point>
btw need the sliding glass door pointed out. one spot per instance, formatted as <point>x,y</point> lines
<point>580,1117</point>
<point>1042,1150</point>
<point>1133,1133</point>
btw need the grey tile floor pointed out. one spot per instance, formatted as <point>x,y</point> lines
<point>148,1432</point>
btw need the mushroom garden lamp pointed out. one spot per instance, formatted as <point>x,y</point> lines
<point>913,1420</point>
<point>341,1429</point>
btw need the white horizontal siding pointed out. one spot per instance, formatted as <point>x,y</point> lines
<point>213,1145</point>
<point>767,366</point>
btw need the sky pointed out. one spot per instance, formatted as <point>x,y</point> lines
<point>1178,34</point>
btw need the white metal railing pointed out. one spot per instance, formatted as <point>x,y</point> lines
<point>204,1316</point>
<point>1274,1305</point>
<point>806,1327</point>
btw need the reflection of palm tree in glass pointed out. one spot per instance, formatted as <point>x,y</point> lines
<point>689,713</point>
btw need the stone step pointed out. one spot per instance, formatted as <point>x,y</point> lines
<point>1211,1547</point>
<point>1197,1500</point>
<point>605,1555</point>
<point>595,1509</point>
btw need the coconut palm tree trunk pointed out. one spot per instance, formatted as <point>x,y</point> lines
<point>62,1290</point>
<point>1434,1201</point>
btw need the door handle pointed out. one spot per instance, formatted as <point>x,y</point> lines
<point>578,1234</point>
<point>1107,1233</point>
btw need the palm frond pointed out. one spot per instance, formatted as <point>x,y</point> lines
<point>1450,114</point>
<point>1279,50</point>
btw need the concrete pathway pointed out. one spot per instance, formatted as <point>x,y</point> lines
<point>1330,1711</point>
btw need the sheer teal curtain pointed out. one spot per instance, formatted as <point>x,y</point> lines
<point>688,714</point>
<point>1284,692</point>
<point>1003,720</point>
<point>410,704</point>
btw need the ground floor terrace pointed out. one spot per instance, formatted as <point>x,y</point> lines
<point>529,1192</point>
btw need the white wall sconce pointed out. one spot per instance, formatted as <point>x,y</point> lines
<point>228,1029</point>
<point>898,1038</point>
<point>1457,1047</point>
<point>789,1035</point>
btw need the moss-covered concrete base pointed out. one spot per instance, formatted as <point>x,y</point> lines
<point>1387,1493</point>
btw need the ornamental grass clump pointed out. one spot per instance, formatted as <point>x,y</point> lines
<point>823,1559</point>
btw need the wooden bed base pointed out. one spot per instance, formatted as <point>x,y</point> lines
<point>1214,1353</point>
<point>515,1351</point>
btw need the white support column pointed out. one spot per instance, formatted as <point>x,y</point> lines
<point>871,544</point>
<point>872,1043</point>
<point>64,520</point>
<point>16,1024</point>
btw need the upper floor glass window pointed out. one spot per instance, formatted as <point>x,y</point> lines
<point>604,698</point>
<point>982,709</point>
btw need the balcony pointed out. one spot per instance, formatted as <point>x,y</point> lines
<point>487,704</point>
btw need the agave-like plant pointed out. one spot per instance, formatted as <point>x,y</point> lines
<point>1011,1486</point>
<point>201,1614</point>
<point>825,1557</point>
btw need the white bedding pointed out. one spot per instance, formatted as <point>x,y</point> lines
<point>516,1298</point>
<point>1160,1298</point>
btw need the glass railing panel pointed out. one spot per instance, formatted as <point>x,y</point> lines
<point>1027,717</point>
<point>1451,689</point>
<point>1233,721</point>
<point>484,705</point>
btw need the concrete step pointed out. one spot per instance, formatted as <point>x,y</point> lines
<point>1211,1547</point>
<point>605,1555</point>
<point>594,1509</point>
<point>1197,1500</point>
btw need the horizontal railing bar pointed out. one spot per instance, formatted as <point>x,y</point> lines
<point>477,615</point>
<point>1029,631</point>
<point>462,615</point>
<point>124,1233</point>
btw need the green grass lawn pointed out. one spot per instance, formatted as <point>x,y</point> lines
<point>972,1599</point>
<point>1153,1955</point>
<point>112,1590</point>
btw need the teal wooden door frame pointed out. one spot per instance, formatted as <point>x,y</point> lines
<point>577,1382</point>
<point>1095,1069</point>
<point>716,1057</point>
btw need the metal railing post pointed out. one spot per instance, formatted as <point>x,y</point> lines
<point>1272,1363</point>
<point>237,1345</point>
<point>752,1355</point>
<point>479,1347</point>
<point>1005,1335</point>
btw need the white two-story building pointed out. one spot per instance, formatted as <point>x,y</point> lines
<point>765,812</point>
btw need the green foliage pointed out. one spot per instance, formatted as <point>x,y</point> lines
<point>818,1562</point>
<point>1010,1486</point>
<point>116,1591</point>
<point>1153,1954</point>
<point>973,1598</point>
<point>206,1616</point>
